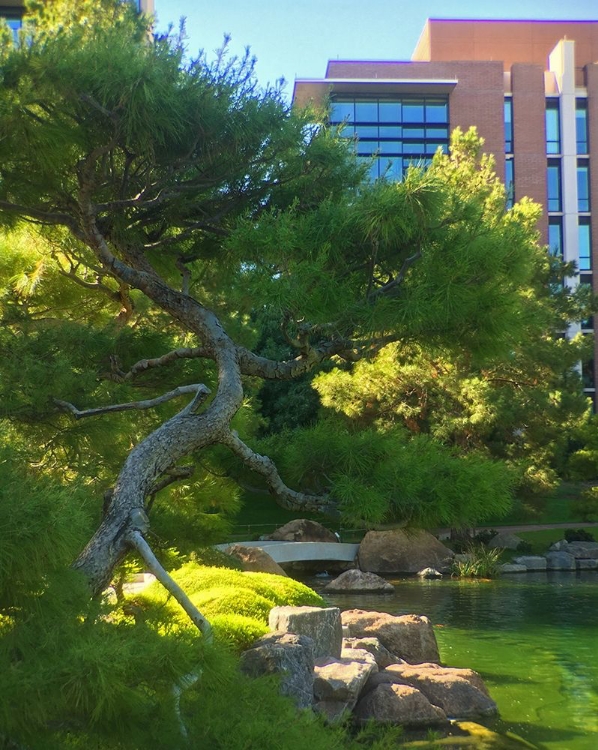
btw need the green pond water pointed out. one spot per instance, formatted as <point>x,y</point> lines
<point>533,637</point>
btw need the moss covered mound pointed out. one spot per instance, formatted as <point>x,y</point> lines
<point>236,603</point>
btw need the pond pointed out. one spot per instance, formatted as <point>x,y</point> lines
<point>533,637</point>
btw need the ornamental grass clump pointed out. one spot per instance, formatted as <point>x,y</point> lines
<point>478,562</point>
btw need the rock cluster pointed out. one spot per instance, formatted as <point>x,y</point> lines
<point>386,669</point>
<point>562,555</point>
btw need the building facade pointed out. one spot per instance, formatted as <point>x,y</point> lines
<point>531,90</point>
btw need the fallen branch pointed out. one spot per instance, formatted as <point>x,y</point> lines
<point>135,537</point>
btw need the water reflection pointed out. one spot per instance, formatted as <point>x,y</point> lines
<point>533,637</point>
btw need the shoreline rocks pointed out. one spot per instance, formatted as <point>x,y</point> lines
<point>367,679</point>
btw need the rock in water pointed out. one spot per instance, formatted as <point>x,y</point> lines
<point>398,551</point>
<point>359,582</point>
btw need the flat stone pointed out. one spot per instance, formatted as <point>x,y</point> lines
<point>583,550</point>
<point>398,704</point>
<point>559,561</point>
<point>360,655</point>
<point>398,551</point>
<point>512,568</point>
<point>340,679</point>
<point>381,654</point>
<point>410,637</point>
<point>357,581</point>
<point>289,656</point>
<point>322,625</point>
<point>460,693</point>
<point>531,562</point>
<point>582,564</point>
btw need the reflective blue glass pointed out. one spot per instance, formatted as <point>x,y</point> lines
<point>367,147</point>
<point>366,111</point>
<point>391,147</point>
<point>581,126</point>
<point>584,245</point>
<point>553,127</point>
<point>510,182</point>
<point>391,131</point>
<point>554,186</point>
<point>555,236</point>
<point>391,169</point>
<point>583,187</point>
<point>366,131</point>
<point>508,113</point>
<point>341,111</point>
<point>436,111</point>
<point>413,110</point>
<point>390,111</point>
<point>409,131</point>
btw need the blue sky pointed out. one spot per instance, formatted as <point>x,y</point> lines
<point>296,38</point>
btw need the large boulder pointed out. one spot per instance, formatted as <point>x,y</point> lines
<point>322,625</point>
<point>303,530</point>
<point>398,704</point>
<point>410,637</point>
<point>357,581</point>
<point>398,551</point>
<point>583,550</point>
<point>254,559</point>
<point>291,657</point>
<point>460,693</point>
<point>560,561</point>
<point>341,680</point>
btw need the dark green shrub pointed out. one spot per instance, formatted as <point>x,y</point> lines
<point>524,548</point>
<point>586,506</point>
<point>579,535</point>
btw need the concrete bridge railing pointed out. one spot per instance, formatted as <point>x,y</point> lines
<point>282,552</point>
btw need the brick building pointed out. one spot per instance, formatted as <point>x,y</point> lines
<point>530,88</point>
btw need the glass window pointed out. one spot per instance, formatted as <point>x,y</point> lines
<point>583,186</point>
<point>391,147</point>
<point>390,111</point>
<point>410,131</point>
<point>391,131</point>
<point>510,182</point>
<point>436,110</point>
<point>587,374</point>
<point>555,236</point>
<point>391,169</point>
<point>581,125</point>
<point>366,111</point>
<point>586,279</point>
<point>366,131</point>
<point>413,110</point>
<point>585,245</point>
<point>554,186</point>
<point>342,111</point>
<point>553,128</point>
<point>367,147</point>
<point>508,126</point>
<point>372,165</point>
<point>377,124</point>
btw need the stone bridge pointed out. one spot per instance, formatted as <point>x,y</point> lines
<point>283,552</point>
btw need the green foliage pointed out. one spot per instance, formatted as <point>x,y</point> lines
<point>214,558</point>
<point>42,526</point>
<point>236,603</point>
<point>236,631</point>
<point>579,535</point>
<point>380,476</point>
<point>480,562</point>
<point>586,506</point>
